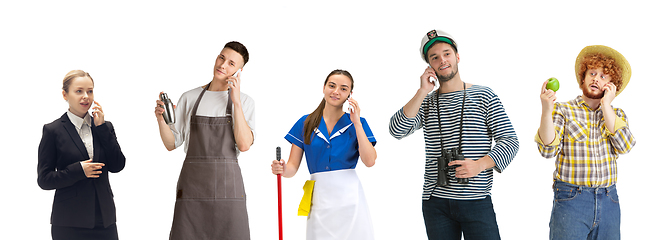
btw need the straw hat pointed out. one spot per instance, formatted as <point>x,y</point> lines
<point>619,59</point>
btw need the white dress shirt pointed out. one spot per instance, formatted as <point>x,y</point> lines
<point>83,126</point>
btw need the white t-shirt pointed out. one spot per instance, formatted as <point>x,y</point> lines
<point>212,104</point>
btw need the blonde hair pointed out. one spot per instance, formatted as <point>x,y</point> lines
<point>72,75</point>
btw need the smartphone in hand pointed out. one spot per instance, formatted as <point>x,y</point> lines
<point>432,79</point>
<point>346,107</point>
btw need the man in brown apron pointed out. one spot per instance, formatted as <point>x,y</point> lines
<point>211,201</point>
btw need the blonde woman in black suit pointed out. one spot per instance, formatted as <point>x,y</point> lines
<point>76,154</point>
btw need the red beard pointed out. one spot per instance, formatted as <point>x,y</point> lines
<point>592,95</point>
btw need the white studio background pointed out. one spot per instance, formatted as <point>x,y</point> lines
<point>135,49</point>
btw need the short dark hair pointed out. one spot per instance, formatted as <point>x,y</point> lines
<point>239,48</point>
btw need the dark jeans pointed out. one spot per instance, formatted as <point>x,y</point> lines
<point>447,219</point>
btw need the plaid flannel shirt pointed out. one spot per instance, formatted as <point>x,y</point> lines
<point>585,150</point>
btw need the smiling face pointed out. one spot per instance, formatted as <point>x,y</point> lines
<point>593,83</point>
<point>337,90</point>
<point>444,60</point>
<point>79,95</point>
<point>227,63</point>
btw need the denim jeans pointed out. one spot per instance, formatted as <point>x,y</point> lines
<point>581,212</point>
<point>448,218</point>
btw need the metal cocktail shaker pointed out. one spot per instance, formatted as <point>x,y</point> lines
<point>168,114</point>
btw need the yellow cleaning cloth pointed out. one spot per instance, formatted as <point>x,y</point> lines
<point>306,202</point>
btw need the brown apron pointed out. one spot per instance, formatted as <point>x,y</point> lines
<point>211,202</point>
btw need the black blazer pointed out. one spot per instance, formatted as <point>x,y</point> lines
<point>60,151</point>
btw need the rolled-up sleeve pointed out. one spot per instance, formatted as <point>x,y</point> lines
<point>552,149</point>
<point>622,139</point>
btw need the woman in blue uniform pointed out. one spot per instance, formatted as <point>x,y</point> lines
<point>332,141</point>
<point>76,154</point>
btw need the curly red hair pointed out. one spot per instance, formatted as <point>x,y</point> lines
<point>609,66</point>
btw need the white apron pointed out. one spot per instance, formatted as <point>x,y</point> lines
<point>339,210</point>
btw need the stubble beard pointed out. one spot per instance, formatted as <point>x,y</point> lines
<point>444,79</point>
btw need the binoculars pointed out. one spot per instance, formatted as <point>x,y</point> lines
<point>443,168</point>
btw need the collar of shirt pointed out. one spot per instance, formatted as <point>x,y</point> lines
<point>579,101</point>
<point>79,122</point>
<point>340,127</point>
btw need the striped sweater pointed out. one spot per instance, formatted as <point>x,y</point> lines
<point>484,120</point>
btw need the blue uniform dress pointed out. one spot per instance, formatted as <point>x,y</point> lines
<point>329,152</point>
<point>339,209</point>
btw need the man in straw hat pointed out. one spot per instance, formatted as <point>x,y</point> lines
<point>587,135</point>
<point>458,118</point>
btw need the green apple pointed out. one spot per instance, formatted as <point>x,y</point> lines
<point>553,84</point>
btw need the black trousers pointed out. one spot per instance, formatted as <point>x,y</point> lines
<point>74,233</point>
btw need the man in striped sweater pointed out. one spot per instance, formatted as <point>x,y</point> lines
<point>460,115</point>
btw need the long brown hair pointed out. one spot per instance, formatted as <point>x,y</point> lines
<point>314,119</point>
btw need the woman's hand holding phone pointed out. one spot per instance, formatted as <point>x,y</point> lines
<point>98,115</point>
<point>354,110</point>
<point>346,107</point>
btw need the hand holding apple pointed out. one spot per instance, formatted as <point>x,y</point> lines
<point>548,97</point>
<point>553,84</point>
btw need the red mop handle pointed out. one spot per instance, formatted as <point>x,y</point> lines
<point>281,228</point>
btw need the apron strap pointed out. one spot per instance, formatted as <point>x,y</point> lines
<point>229,106</point>
<point>197,102</point>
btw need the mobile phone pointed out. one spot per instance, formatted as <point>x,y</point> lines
<point>91,109</point>
<point>235,75</point>
<point>346,107</point>
<point>431,78</point>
